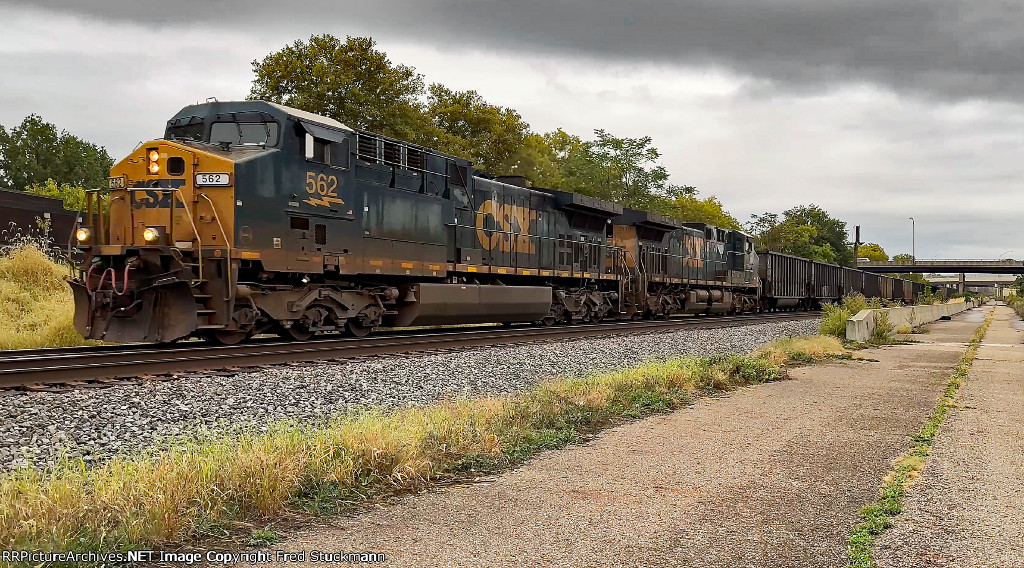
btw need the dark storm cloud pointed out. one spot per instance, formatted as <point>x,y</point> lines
<point>941,47</point>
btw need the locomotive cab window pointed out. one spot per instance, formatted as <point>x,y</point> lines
<point>245,133</point>
<point>192,131</point>
<point>327,152</point>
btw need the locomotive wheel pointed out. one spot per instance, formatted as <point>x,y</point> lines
<point>296,332</point>
<point>356,329</point>
<point>228,337</point>
<point>549,321</point>
<point>586,314</point>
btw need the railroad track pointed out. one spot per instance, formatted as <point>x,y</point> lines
<point>41,369</point>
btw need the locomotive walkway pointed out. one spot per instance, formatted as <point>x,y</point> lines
<point>768,476</point>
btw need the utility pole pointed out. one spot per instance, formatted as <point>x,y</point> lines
<point>856,245</point>
<point>913,240</point>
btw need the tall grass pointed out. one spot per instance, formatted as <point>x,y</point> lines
<point>211,487</point>
<point>36,305</point>
<point>834,315</point>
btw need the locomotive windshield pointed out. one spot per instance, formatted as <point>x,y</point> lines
<point>245,133</point>
<point>252,133</point>
<point>193,131</point>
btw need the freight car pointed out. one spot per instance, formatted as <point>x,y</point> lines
<point>25,214</point>
<point>251,217</point>
<point>790,283</point>
<point>853,281</point>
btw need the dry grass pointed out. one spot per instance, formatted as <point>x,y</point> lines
<point>803,349</point>
<point>36,305</point>
<point>210,488</point>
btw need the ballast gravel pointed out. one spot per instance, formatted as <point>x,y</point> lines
<point>97,423</point>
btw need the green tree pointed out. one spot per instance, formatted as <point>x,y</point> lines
<point>831,232</point>
<point>806,231</point>
<point>872,251</point>
<point>903,257</point>
<point>686,206</point>
<point>350,81</point>
<point>630,171</point>
<point>35,151</point>
<point>621,170</point>
<point>355,83</point>
<point>492,137</point>
<point>536,160</point>
<point>73,196</point>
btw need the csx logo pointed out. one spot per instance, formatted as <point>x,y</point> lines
<point>155,199</point>
<point>510,222</point>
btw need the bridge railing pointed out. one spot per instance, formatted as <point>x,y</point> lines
<point>941,261</point>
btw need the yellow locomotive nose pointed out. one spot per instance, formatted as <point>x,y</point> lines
<point>169,193</point>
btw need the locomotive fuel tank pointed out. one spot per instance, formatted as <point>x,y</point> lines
<point>449,304</point>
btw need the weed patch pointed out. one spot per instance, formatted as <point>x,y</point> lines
<point>882,333</point>
<point>804,349</point>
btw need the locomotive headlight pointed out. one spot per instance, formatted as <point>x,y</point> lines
<point>150,234</point>
<point>83,234</point>
<point>154,161</point>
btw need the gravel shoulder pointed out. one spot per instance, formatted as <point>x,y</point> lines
<point>770,476</point>
<point>97,423</point>
<point>966,509</point>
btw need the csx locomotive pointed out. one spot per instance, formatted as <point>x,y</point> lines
<point>251,217</point>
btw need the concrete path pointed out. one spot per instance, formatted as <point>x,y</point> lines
<point>968,507</point>
<point>769,476</point>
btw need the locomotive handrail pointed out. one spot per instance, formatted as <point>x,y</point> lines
<point>195,231</point>
<point>641,266</point>
<point>74,229</point>
<point>219,224</point>
<point>188,214</point>
<point>503,232</point>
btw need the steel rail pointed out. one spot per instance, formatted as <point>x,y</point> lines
<point>55,366</point>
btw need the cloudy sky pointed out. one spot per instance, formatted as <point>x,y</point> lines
<point>875,110</point>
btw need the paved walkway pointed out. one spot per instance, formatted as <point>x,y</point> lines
<point>769,476</point>
<point>968,507</point>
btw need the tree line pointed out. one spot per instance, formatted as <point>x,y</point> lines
<point>354,82</point>
<point>36,157</point>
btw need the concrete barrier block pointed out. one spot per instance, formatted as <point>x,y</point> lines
<point>861,326</point>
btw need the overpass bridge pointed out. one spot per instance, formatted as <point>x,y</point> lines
<point>946,266</point>
<point>998,286</point>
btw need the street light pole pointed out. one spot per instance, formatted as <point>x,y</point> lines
<point>913,240</point>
